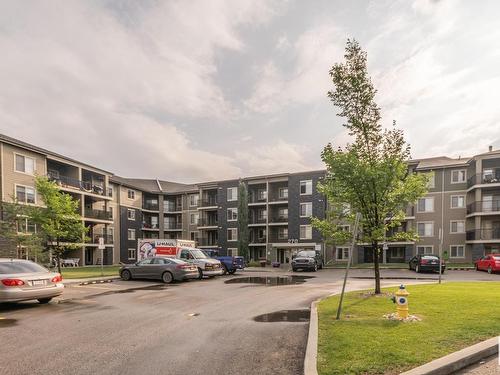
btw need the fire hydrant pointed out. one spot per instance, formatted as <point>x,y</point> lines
<point>401,300</point>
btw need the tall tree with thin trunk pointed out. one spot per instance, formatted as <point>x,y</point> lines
<point>59,219</point>
<point>371,174</point>
<point>243,235</point>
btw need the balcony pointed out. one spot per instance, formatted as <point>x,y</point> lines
<point>278,237</point>
<point>258,240</point>
<point>173,226</point>
<point>278,199</point>
<point>278,219</point>
<point>151,206</point>
<point>254,198</point>
<point>98,214</point>
<point>73,183</point>
<point>208,202</point>
<point>172,207</point>
<point>489,178</point>
<point>483,206</point>
<point>94,238</point>
<point>257,220</point>
<point>207,242</point>
<point>483,234</point>
<point>150,226</point>
<point>208,222</point>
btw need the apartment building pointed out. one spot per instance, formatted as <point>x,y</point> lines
<point>21,162</point>
<point>459,217</point>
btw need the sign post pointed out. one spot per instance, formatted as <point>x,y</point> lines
<point>101,247</point>
<point>440,252</point>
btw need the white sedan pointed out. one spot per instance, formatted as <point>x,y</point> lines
<point>23,280</point>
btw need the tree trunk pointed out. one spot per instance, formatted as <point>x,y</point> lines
<point>58,258</point>
<point>376,267</point>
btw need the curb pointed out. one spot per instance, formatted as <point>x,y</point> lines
<point>311,357</point>
<point>456,361</point>
<point>108,279</point>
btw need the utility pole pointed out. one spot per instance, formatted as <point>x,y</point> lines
<point>349,259</point>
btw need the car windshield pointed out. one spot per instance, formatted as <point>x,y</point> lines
<point>430,257</point>
<point>198,254</point>
<point>310,254</point>
<point>20,267</point>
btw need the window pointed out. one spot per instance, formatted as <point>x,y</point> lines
<point>193,200</point>
<point>130,214</point>
<point>262,214</point>
<point>457,251</point>
<point>261,195</point>
<point>345,228</point>
<point>432,180</point>
<point>425,229</point>
<point>306,209</point>
<point>283,193</point>
<point>25,194</point>
<point>457,226</point>
<point>25,164</point>
<point>110,191</point>
<point>458,176</point>
<point>306,187</point>
<point>131,253</point>
<point>193,218</point>
<point>232,252</point>
<point>283,233</point>
<point>305,232</point>
<point>342,253</point>
<point>194,236</point>
<point>232,214</point>
<point>424,250</point>
<point>457,201</point>
<point>131,234</point>
<point>26,226</point>
<point>130,194</point>
<point>232,194</point>
<point>232,234</point>
<point>283,213</point>
<point>425,204</point>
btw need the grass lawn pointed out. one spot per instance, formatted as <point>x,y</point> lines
<point>84,272</point>
<point>454,315</point>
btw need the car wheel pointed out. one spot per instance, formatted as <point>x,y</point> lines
<point>224,269</point>
<point>417,268</point>
<point>315,269</point>
<point>477,268</point>
<point>232,271</point>
<point>126,275</point>
<point>200,274</point>
<point>294,269</point>
<point>321,266</point>
<point>167,277</point>
<point>490,270</point>
<point>43,301</point>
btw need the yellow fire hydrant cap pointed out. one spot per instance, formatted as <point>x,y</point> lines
<point>402,291</point>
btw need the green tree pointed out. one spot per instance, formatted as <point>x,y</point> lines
<point>59,219</point>
<point>371,174</point>
<point>243,221</point>
<point>14,229</point>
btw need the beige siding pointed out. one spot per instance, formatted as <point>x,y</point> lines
<point>126,201</point>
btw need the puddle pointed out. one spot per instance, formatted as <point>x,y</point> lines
<point>269,280</point>
<point>7,322</point>
<point>300,316</point>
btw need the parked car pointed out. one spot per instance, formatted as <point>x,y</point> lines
<point>24,280</point>
<point>230,264</point>
<point>490,263</point>
<point>423,262</point>
<point>161,268</point>
<point>311,260</point>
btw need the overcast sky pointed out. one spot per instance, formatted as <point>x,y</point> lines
<point>201,90</point>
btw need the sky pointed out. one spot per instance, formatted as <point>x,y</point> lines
<point>192,91</point>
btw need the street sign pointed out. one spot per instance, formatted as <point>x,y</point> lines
<point>101,243</point>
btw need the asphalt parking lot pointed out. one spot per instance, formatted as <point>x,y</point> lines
<point>198,327</point>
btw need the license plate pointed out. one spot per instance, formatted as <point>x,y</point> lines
<point>37,282</point>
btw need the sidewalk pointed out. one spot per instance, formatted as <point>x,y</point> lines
<point>94,280</point>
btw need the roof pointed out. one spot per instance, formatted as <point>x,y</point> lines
<point>439,162</point>
<point>154,185</point>
<point>16,142</point>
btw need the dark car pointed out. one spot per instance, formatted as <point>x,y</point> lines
<point>307,260</point>
<point>229,263</point>
<point>161,268</point>
<point>423,262</point>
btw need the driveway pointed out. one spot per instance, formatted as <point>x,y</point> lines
<point>198,327</point>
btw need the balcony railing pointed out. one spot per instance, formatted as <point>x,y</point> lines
<point>94,238</point>
<point>484,179</point>
<point>278,219</point>
<point>153,206</point>
<point>254,198</point>
<point>278,198</point>
<point>70,182</point>
<point>146,225</point>
<point>207,242</point>
<point>98,214</point>
<point>278,238</point>
<point>257,220</point>
<point>483,206</point>
<point>204,222</point>
<point>172,226</point>
<point>258,240</point>
<point>207,202</point>
<point>172,208</point>
<point>483,234</point>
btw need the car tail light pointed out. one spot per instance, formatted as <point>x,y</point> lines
<point>57,279</point>
<point>424,261</point>
<point>12,282</point>
<point>183,266</point>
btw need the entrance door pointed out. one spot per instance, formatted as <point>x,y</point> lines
<point>396,255</point>
<point>89,256</point>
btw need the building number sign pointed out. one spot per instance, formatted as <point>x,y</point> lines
<point>293,240</point>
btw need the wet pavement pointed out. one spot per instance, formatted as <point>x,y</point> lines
<point>270,280</point>
<point>301,316</point>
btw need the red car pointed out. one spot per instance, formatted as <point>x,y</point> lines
<point>490,263</point>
